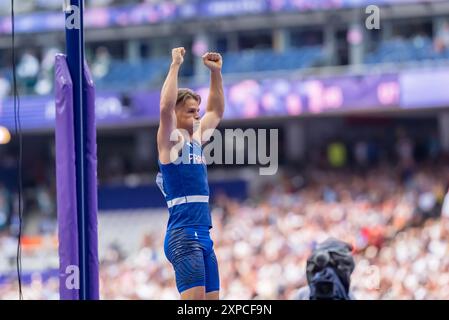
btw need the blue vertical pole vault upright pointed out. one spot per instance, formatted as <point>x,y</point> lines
<point>75,59</point>
<point>76,164</point>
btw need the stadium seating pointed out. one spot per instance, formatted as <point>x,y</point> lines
<point>267,60</point>
<point>400,50</point>
<point>137,75</point>
<point>134,223</point>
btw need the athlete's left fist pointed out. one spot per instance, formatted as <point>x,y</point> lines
<point>213,61</point>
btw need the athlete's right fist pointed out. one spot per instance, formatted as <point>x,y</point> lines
<point>178,55</point>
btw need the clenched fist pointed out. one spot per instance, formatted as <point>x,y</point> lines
<point>213,61</point>
<point>177,55</point>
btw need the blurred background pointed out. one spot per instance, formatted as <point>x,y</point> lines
<point>363,120</point>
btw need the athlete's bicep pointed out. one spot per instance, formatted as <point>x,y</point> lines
<point>167,125</point>
<point>209,122</point>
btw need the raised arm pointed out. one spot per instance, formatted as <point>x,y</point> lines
<point>215,101</point>
<point>169,94</point>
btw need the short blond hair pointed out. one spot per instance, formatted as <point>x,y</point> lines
<point>185,93</point>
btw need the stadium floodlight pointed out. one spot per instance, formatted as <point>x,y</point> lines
<point>5,135</point>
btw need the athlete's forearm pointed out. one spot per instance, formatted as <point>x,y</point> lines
<point>216,93</point>
<point>170,88</point>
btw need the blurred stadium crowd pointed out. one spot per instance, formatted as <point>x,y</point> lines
<point>383,189</point>
<point>393,216</point>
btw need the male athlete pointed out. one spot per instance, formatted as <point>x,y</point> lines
<point>188,245</point>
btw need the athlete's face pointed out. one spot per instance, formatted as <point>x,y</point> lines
<point>187,114</point>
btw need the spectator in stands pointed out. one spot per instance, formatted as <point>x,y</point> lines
<point>5,208</point>
<point>337,154</point>
<point>419,39</point>
<point>404,152</point>
<point>5,88</point>
<point>101,63</point>
<point>44,84</point>
<point>361,154</point>
<point>28,69</point>
<point>442,38</point>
